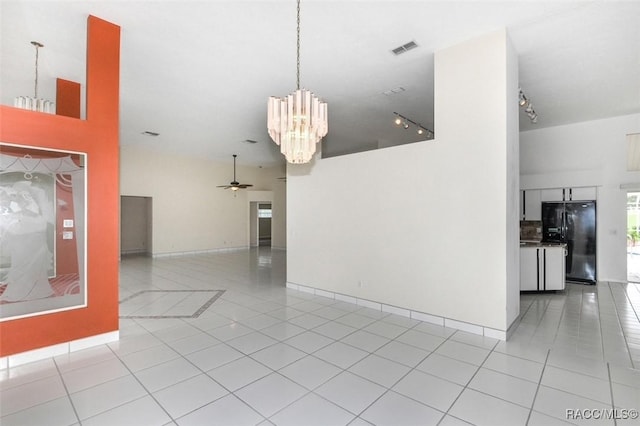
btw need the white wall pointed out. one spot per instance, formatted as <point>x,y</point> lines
<point>253,223</point>
<point>424,226</point>
<point>592,153</point>
<point>189,212</point>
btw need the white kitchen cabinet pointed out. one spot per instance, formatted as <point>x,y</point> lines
<point>542,268</point>
<point>531,205</point>
<point>529,269</point>
<point>568,194</point>
<point>586,193</point>
<point>555,267</point>
<point>552,194</point>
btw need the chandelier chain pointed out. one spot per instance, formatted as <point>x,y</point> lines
<point>37,45</point>
<point>36,84</point>
<point>298,50</point>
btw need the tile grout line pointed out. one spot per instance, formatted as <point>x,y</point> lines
<point>613,405</point>
<point>73,406</point>
<point>624,335</point>
<point>466,386</point>
<point>608,286</point>
<point>562,312</point>
<point>306,354</point>
<point>357,416</point>
<point>229,392</point>
<point>547,302</point>
<point>141,384</point>
<point>405,375</point>
<point>535,396</point>
<point>637,316</point>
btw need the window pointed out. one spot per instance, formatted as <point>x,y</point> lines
<point>264,211</point>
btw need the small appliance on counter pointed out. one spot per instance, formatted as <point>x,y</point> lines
<point>530,231</point>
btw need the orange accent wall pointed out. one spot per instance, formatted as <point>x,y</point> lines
<point>67,98</point>
<point>98,137</point>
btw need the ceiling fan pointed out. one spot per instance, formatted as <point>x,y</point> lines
<point>234,185</point>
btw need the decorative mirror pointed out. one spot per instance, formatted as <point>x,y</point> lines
<point>42,231</point>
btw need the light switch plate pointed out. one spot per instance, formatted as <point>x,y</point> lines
<point>67,235</point>
<point>67,223</point>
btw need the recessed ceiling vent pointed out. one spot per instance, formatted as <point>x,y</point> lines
<point>404,48</point>
<point>393,91</point>
<point>148,133</point>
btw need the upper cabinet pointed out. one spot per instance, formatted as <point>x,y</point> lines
<point>569,194</point>
<point>531,199</point>
<point>582,194</point>
<point>531,206</point>
<point>552,194</point>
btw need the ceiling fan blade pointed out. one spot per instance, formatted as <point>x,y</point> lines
<point>223,186</point>
<point>244,185</point>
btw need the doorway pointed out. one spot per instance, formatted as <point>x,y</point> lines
<point>135,226</point>
<point>633,237</point>
<point>264,224</point>
<point>260,216</point>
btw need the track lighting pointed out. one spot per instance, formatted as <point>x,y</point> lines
<point>522,98</point>
<point>405,122</point>
<point>528,106</point>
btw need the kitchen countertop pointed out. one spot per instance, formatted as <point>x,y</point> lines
<point>535,244</point>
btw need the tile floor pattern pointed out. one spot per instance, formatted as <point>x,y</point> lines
<point>265,355</point>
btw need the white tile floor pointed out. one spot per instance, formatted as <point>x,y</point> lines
<point>263,354</point>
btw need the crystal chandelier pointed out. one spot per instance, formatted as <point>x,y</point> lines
<point>33,103</point>
<point>299,121</point>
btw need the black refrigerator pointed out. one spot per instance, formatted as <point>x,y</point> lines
<point>573,223</point>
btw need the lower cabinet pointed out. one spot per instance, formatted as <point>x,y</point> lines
<point>542,268</point>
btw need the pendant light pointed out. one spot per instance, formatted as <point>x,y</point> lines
<point>34,103</point>
<point>299,121</point>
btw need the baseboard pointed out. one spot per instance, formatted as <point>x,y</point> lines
<point>196,252</point>
<point>58,349</point>
<point>420,316</point>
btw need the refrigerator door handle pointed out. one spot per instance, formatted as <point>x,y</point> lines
<point>538,269</point>
<point>544,270</point>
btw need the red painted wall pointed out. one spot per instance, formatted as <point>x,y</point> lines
<point>67,98</point>
<point>98,137</point>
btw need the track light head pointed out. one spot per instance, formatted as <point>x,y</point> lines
<point>406,123</point>
<point>528,106</point>
<point>522,99</point>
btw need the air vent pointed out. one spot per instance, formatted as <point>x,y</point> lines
<point>404,48</point>
<point>249,141</point>
<point>393,91</point>
<point>148,133</point>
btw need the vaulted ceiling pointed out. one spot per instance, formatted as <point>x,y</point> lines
<point>199,72</point>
